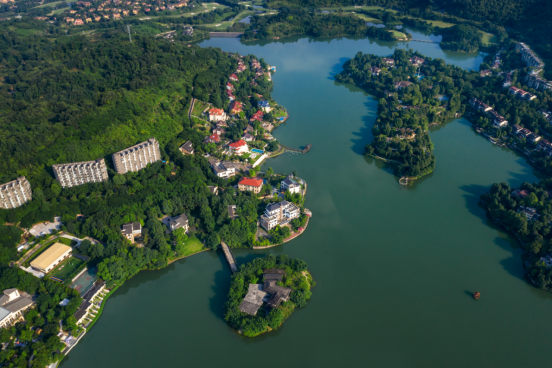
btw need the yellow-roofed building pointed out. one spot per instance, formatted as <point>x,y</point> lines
<point>51,257</point>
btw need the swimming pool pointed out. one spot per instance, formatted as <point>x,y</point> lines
<point>256,150</point>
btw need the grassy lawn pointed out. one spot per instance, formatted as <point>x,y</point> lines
<point>192,245</point>
<point>436,23</point>
<point>369,8</point>
<point>488,37</point>
<point>398,34</point>
<point>50,5</point>
<point>199,107</point>
<point>66,241</point>
<point>67,267</point>
<point>368,19</point>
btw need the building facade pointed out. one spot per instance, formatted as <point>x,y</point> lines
<point>137,157</point>
<point>79,173</point>
<point>15,193</point>
<point>51,257</point>
<point>12,306</point>
<point>254,185</point>
<point>279,214</point>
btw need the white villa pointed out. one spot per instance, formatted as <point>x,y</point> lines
<point>279,214</point>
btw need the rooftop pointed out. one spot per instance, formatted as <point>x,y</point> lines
<point>253,182</point>
<point>50,255</point>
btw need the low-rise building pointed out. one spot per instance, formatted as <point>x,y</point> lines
<point>15,193</point>
<point>402,84</point>
<point>529,212</point>
<point>187,148</point>
<point>279,213</point>
<point>222,169</point>
<point>507,80</point>
<point>239,147</point>
<point>291,185</point>
<point>417,61</point>
<point>213,138</point>
<point>12,306</point>
<point>51,257</point>
<point>254,185</point>
<point>232,214</point>
<point>388,61</point>
<point>485,72</point>
<point>479,105</point>
<point>179,222</point>
<point>213,189</point>
<point>248,137</point>
<point>375,70</point>
<point>233,77</point>
<point>264,106</point>
<point>236,107</point>
<point>79,173</point>
<point>131,229</point>
<point>257,116</point>
<point>546,146</point>
<point>217,115</point>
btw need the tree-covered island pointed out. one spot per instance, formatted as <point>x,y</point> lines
<point>265,292</point>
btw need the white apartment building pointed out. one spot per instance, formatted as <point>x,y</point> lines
<point>15,193</point>
<point>137,157</point>
<point>279,214</point>
<point>79,173</point>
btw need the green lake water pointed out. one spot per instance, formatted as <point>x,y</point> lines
<point>395,267</point>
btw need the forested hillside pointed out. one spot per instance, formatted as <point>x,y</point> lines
<point>84,98</point>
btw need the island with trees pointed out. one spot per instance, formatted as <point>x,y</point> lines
<point>265,292</point>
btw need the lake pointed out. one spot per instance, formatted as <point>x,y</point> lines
<point>395,267</point>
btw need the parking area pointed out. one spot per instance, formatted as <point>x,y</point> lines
<point>46,227</point>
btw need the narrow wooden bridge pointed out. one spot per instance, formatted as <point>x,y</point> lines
<point>428,41</point>
<point>304,150</point>
<point>229,257</point>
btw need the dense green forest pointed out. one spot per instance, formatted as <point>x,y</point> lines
<point>297,278</point>
<point>420,105</point>
<point>81,98</point>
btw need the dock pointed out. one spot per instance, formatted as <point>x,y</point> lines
<point>302,151</point>
<point>229,257</point>
<point>226,34</point>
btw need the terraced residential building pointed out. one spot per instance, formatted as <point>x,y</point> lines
<point>137,157</point>
<point>15,193</point>
<point>79,173</point>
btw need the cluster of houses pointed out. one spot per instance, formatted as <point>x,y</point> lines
<point>268,292</point>
<point>533,61</point>
<point>133,230</point>
<point>529,212</point>
<point>498,120</point>
<point>521,94</point>
<point>85,11</point>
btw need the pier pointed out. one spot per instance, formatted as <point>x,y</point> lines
<point>428,41</point>
<point>229,257</point>
<point>302,151</point>
<point>225,34</point>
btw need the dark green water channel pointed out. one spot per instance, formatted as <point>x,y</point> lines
<point>395,267</point>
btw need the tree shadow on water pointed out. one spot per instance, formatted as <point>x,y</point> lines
<point>337,68</point>
<point>473,193</point>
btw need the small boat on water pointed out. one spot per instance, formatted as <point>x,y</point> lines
<point>493,141</point>
<point>476,295</point>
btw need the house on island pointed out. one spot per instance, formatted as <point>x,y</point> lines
<point>254,185</point>
<point>131,229</point>
<point>401,85</point>
<point>51,257</point>
<point>264,106</point>
<point>222,169</point>
<point>375,70</point>
<point>187,148</point>
<point>520,193</point>
<point>279,213</point>
<point>529,212</point>
<point>268,292</point>
<point>12,306</point>
<point>238,147</point>
<point>179,222</point>
<point>290,185</point>
<point>217,115</point>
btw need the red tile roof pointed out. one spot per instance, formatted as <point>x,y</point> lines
<point>216,112</point>
<point>215,137</point>
<point>253,182</point>
<point>237,144</point>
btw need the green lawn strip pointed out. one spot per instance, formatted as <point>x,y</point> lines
<point>488,37</point>
<point>398,34</point>
<point>70,265</point>
<point>101,309</point>
<point>66,241</point>
<point>192,246</point>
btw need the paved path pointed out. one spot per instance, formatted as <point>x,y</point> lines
<point>229,257</point>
